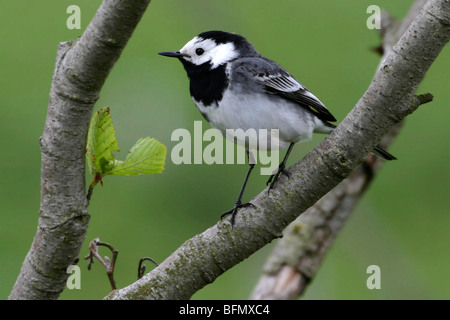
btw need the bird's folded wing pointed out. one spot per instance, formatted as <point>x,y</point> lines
<point>276,80</point>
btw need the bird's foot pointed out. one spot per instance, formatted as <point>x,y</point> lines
<point>233,211</point>
<point>273,178</point>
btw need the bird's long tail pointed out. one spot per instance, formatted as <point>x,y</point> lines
<point>383,153</point>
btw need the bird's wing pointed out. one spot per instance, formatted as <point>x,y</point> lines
<point>276,80</point>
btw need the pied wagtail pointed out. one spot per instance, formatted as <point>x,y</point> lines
<point>234,87</point>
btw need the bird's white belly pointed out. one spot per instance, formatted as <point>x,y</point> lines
<point>259,111</point>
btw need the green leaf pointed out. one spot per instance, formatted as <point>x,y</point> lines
<point>101,142</point>
<point>146,156</point>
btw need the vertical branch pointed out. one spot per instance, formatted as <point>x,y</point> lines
<point>80,71</point>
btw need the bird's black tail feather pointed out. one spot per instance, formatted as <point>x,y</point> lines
<point>376,150</point>
<point>383,153</point>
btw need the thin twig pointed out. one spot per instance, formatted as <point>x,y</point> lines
<point>95,180</point>
<point>141,267</point>
<point>107,263</point>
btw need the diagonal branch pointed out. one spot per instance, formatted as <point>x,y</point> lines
<point>388,100</point>
<point>298,255</point>
<point>80,71</point>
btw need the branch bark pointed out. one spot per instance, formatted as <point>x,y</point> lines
<point>388,100</point>
<point>80,71</point>
<point>298,255</point>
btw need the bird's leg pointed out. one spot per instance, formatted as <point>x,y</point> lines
<point>238,204</point>
<point>281,169</point>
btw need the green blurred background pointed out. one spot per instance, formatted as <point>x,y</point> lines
<point>402,224</point>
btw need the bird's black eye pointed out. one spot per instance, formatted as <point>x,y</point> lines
<point>199,51</point>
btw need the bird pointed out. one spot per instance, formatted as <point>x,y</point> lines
<point>235,87</point>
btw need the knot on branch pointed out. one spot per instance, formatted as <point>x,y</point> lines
<point>337,160</point>
<point>424,98</point>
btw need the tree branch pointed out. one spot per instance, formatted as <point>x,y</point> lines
<point>80,71</point>
<point>298,255</point>
<point>389,99</point>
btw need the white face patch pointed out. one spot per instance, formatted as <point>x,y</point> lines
<point>216,54</point>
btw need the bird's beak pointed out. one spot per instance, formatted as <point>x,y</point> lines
<point>172,54</point>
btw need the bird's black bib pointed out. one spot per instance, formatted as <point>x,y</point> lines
<point>206,85</point>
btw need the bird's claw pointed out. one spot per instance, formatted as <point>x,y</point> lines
<point>273,178</point>
<point>235,209</point>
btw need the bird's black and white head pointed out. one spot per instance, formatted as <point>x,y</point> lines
<point>212,49</point>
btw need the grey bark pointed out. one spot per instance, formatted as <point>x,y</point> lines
<point>80,71</point>
<point>388,100</point>
<point>298,255</point>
